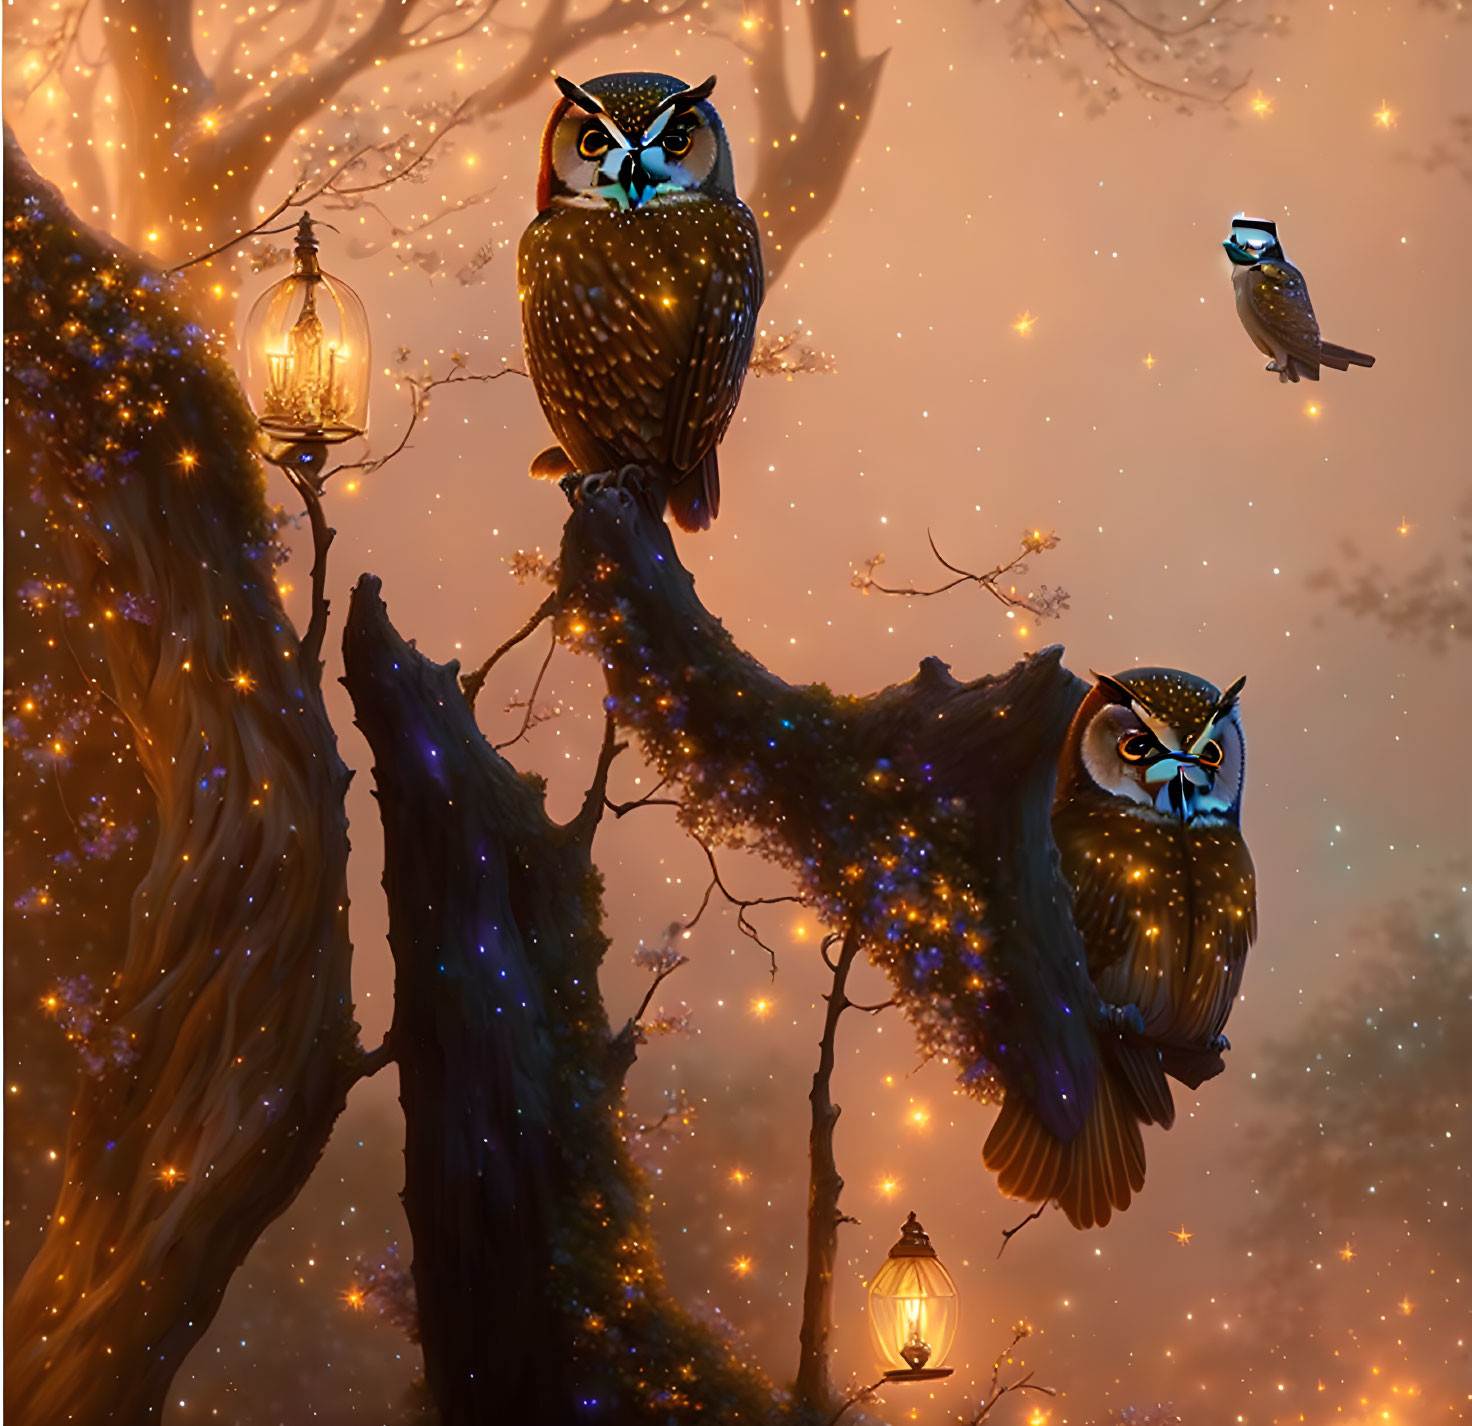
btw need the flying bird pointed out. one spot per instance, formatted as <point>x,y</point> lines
<point>1146,818</point>
<point>1273,305</point>
<point>640,280</point>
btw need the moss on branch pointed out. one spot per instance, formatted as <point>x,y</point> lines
<point>920,814</point>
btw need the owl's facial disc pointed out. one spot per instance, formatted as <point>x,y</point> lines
<point>1133,755</point>
<point>676,152</point>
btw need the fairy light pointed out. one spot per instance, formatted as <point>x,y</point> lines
<point>1024,324</point>
<point>1261,105</point>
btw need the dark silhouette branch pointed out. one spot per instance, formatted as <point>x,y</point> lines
<point>1009,1233</point>
<point>1045,604</point>
<point>813,1387</point>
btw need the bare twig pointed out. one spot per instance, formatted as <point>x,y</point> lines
<point>621,809</point>
<point>1046,604</point>
<point>742,904</point>
<point>1008,1233</point>
<point>996,1391</point>
<point>531,702</point>
<point>864,1393</point>
<point>472,683</point>
<point>419,390</point>
<point>585,824</point>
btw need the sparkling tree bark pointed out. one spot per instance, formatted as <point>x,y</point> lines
<point>225,1047</point>
<point>540,1297</point>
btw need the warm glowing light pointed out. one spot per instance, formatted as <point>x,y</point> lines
<point>49,1003</point>
<point>761,1008</point>
<point>888,1187</point>
<point>1149,361</point>
<point>1406,1306</point>
<point>739,1176</point>
<point>1181,1235</point>
<point>918,1115</point>
<point>243,681</point>
<point>188,459</point>
<point>741,1267</point>
<point>1403,528</point>
<point>1312,408</point>
<point>1347,1252</point>
<point>354,1297</point>
<point>171,1177</point>
<point>1385,116</point>
<point>1024,324</point>
<point>1262,106</point>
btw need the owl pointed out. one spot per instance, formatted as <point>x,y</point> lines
<point>1146,818</point>
<point>640,281</point>
<point>1273,305</point>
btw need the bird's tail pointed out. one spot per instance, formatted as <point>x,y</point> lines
<point>1342,358</point>
<point>1096,1172</point>
<point>695,500</point>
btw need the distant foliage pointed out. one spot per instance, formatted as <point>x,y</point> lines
<point>1430,604</point>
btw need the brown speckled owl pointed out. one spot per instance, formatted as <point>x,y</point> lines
<point>1146,819</point>
<point>640,278</point>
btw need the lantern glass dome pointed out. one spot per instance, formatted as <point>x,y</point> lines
<point>306,352</point>
<point>913,1308</point>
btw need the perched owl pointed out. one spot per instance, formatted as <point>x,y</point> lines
<point>640,280</point>
<point>1273,305</point>
<point>1146,820</point>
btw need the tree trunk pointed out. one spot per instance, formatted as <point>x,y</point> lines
<point>540,1297</point>
<point>225,1047</point>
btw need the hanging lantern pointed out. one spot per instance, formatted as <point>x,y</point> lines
<point>913,1309</point>
<point>306,351</point>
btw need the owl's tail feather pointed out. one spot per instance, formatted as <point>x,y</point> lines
<point>1342,358</point>
<point>1091,1176</point>
<point>695,500</point>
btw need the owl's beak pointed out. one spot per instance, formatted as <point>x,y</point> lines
<point>641,177</point>
<point>1239,254</point>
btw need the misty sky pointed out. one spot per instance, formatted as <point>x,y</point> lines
<point>1193,494</point>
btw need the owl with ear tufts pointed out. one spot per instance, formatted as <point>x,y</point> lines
<point>1146,818</point>
<point>640,280</point>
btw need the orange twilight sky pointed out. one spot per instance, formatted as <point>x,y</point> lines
<point>1031,318</point>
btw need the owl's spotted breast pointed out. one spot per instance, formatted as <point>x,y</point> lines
<point>639,325</point>
<point>1166,911</point>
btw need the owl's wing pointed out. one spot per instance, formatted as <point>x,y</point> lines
<point>1279,296</point>
<point>1224,916</point>
<point>702,397</point>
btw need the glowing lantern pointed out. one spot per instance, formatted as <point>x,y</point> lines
<point>306,351</point>
<point>913,1310</point>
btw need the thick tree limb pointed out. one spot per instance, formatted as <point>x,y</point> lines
<point>532,1262</point>
<point>226,1045</point>
<point>920,814</point>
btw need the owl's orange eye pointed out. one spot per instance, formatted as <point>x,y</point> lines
<point>676,143</point>
<point>1211,755</point>
<point>1136,747</point>
<point>594,142</point>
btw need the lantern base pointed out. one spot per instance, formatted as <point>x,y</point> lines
<point>921,1374</point>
